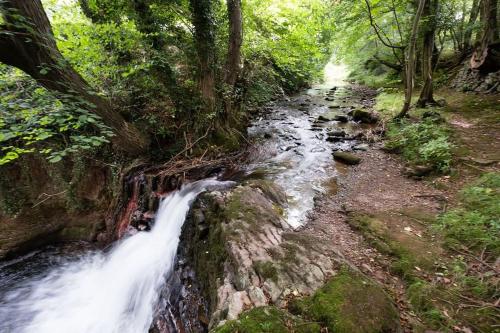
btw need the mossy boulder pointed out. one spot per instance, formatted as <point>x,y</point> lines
<point>346,158</point>
<point>349,303</point>
<point>268,319</point>
<point>364,116</point>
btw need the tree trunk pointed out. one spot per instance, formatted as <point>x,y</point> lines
<point>482,58</point>
<point>32,48</point>
<point>203,22</point>
<point>233,61</point>
<point>474,13</point>
<point>410,61</point>
<point>430,14</point>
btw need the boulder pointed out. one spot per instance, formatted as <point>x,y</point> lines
<point>364,116</point>
<point>346,158</point>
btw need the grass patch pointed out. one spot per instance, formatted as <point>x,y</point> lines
<point>420,295</point>
<point>421,143</point>
<point>389,103</point>
<point>475,224</point>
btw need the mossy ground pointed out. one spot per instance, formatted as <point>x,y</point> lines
<point>441,287</point>
<point>268,319</point>
<point>349,303</point>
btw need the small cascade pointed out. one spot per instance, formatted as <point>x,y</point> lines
<point>116,291</point>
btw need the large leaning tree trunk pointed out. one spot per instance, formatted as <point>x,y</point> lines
<point>430,15</point>
<point>203,22</point>
<point>484,57</point>
<point>410,60</point>
<point>27,42</point>
<point>233,61</point>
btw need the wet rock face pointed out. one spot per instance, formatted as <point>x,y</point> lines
<point>43,203</point>
<point>249,256</point>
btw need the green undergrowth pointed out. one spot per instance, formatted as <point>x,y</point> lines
<point>347,303</point>
<point>475,224</point>
<point>423,143</point>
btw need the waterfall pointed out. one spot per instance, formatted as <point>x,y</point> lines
<point>108,292</point>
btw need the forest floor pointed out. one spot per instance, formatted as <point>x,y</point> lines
<point>384,223</point>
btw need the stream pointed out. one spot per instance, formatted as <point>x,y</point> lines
<point>118,290</point>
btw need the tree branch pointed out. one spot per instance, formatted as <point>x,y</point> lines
<point>377,29</point>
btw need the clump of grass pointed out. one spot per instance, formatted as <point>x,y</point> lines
<point>420,294</point>
<point>475,224</point>
<point>422,143</point>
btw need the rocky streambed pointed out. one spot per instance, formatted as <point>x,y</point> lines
<point>243,248</point>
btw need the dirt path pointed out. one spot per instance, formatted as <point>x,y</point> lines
<point>380,220</point>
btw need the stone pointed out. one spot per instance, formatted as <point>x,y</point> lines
<point>337,133</point>
<point>362,147</point>
<point>365,117</point>
<point>257,296</point>
<point>341,118</point>
<point>346,158</point>
<point>418,170</point>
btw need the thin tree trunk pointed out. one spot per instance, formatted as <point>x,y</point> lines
<point>410,61</point>
<point>233,61</point>
<point>430,14</point>
<point>203,22</point>
<point>32,48</point>
<point>474,13</point>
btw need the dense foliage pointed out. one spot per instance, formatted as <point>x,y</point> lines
<point>142,55</point>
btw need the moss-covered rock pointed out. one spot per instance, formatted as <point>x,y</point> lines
<point>346,158</point>
<point>268,319</point>
<point>350,303</point>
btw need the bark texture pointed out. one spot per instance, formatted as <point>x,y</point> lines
<point>203,22</point>
<point>32,48</point>
<point>233,61</point>
<point>484,58</point>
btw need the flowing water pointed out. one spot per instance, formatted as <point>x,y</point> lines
<point>294,153</point>
<point>100,292</point>
<point>56,291</point>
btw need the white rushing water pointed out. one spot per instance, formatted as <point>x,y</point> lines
<point>114,292</point>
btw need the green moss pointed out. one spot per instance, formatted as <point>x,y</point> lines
<point>406,256</point>
<point>268,319</point>
<point>266,269</point>
<point>349,303</point>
